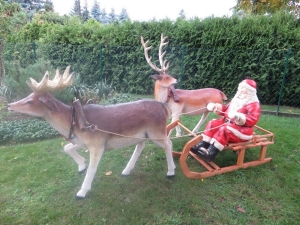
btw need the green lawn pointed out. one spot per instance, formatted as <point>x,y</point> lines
<point>38,184</point>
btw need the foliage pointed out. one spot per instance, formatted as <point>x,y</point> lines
<point>119,98</point>
<point>76,10</point>
<point>16,77</point>
<point>95,11</point>
<point>25,130</point>
<point>102,17</point>
<point>213,52</point>
<point>267,6</point>
<point>38,184</point>
<point>32,7</point>
<point>111,18</point>
<point>5,92</point>
<point>100,91</point>
<point>85,12</point>
<point>123,15</point>
<point>49,17</point>
<point>7,11</point>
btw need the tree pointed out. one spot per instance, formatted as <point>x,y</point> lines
<point>76,10</point>
<point>182,14</point>
<point>123,16</point>
<point>7,12</point>
<point>103,17</point>
<point>95,11</point>
<point>49,6</point>
<point>266,6</point>
<point>112,16</point>
<point>85,12</point>
<point>32,7</point>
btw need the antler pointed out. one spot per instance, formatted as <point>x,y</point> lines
<point>161,55</point>
<point>59,82</point>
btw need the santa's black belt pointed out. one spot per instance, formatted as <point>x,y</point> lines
<point>231,122</point>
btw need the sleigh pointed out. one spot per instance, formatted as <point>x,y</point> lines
<point>261,140</point>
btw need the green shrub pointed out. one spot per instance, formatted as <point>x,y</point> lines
<point>119,98</point>
<point>16,77</point>
<point>212,52</point>
<point>87,94</point>
<point>25,130</point>
<point>15,86</point>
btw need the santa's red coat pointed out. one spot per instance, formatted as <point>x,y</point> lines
<point>224,130</point>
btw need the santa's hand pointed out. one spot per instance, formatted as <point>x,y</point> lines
<point>240,118</point>
<point>233,115</point>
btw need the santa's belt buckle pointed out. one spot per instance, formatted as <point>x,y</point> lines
<point>228,121</point>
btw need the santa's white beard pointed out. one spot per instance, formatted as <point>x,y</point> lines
<point>238,103</point>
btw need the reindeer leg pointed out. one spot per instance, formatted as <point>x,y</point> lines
<point>201,121</point>
<point>95,156</point>
<point>178,130</point>
<point>71,150</point>
<point>130,165</point>
<point>166,144</point>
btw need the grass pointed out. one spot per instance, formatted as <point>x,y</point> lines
<point>38,184</point>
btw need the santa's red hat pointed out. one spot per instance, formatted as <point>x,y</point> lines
<point>248,84</point>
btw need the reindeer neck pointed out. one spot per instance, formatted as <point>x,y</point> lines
<point>60,119</point>
<point>160,93</point>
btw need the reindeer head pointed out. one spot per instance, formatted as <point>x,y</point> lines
<point>41,101</point>
<point>162,78</point>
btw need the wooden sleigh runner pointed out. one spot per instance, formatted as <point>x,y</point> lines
<point>261,140</point>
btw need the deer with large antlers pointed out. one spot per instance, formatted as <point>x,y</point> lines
<point>111,127</point>
<point>187,102</point>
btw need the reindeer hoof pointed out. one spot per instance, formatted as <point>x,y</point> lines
<point>79,197</point>
<point>170,176</point>
<point>125,175</point>
<point>82,171</point>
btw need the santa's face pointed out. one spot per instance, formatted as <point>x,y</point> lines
<point>242,93</point>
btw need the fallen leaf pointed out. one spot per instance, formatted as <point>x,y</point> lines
<point>108,173</point>
<point>239,208</point>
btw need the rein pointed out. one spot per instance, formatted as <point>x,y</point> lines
<point>72,124</point>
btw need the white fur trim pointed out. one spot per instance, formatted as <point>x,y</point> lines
<point>211,106</point>
<point>217,144</point>
<point>240,119</point>
<point>239,134</point>
<point>206,138</point>
<point>247,86</point>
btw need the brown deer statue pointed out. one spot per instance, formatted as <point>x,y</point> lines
<point>187,102</point>
<point>110,127</point>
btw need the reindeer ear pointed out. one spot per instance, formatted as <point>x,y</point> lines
<point>156,77</point>
<point>48,102</point>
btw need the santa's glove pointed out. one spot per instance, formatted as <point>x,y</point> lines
<point>214,107</point>
<point>240,118</point>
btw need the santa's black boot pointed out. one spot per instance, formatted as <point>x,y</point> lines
<point>208,154</point>
<point>202,144</point>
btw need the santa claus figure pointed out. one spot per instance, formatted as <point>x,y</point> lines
<point>235,124</point>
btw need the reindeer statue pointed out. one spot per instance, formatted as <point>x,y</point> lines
<point>111,127</point>
<point>188,102</point>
